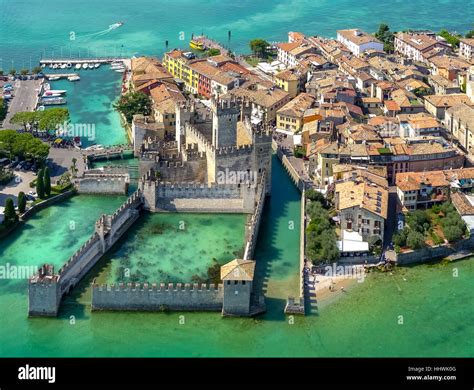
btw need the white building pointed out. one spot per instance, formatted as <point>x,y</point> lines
<point>417,47</point>
<point>466,48</point>
<point>358,41</point>
<point>289,53</point>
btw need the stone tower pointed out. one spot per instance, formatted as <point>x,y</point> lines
<point>262,158</point>
<point>184,113</point>
<point>44,293</point>
<point>237,277</point>
<point>225,115</point>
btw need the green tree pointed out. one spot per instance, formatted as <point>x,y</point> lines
<point>24,72</point>
<point>452,233</point>
<point>37,69</point>
<point>133,103</point>
<point>316,196</point>
<point>415,240</point>
<point>213,52</point>
<point>470,34</point>
<point>10,216</point>
<point>386,36</point>
<point>452,39</point>
<point>419,221</point>
<point>47,181</point>
<point>258,46</point>
<point>7,142</point>
<point>26,118</point>
<point>53,118</point>
<point>13,72</point>
<point>3,109</point>
<point>21,202</point>
<point>420,91</point>
<point>400,238</point>
<point>40,184</point>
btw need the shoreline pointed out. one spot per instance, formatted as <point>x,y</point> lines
<point>325,296</point>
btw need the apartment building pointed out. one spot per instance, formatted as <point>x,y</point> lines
<point>415,46</point>
<point>358,41</point>
<point>290,116</point>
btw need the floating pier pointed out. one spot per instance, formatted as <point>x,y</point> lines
<point>102,60</point>
<point>60,75</point>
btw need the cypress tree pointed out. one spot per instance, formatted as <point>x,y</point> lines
<point>10,214</point>
<point>40,184</point>
<point>47,182</point>
<point>21,202</point>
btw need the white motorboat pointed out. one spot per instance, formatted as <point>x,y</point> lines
<point>91,66</point>
<point>51,95</point>
<point>53,78</point>
<point>78,66</point>
<point>97,65</point>
<point>43,65</point>
<point>55,66</point>
<point>94,147</point>
<point>63,66</point>
<point>85,65</point>
<point>120,70</point>
<point>51,92</point>
<point>74,78</point>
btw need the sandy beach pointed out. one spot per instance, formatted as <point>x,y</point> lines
<point>341,285</point>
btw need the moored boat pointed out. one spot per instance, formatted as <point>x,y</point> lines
<point>85,65</point>
<point>97,65</point>
<point>91,66</point>
<point>50,101</point>
<point>78,66</point>
<point>197,45</point>
<point>74,78</point>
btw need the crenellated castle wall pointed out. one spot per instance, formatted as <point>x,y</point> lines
<point>45,292</point>
<point>153,297</point>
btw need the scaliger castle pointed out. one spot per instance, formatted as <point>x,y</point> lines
<point>218,163</point>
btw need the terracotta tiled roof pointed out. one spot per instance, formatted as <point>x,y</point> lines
<point>360,193</point>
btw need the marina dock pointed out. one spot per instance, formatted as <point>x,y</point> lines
<point>59,76</point>
<point>101,60</point>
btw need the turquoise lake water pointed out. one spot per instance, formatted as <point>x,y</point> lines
<point>436,307</point>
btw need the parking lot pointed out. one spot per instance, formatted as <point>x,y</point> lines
<point>15,186</point>
<point>25,98</point>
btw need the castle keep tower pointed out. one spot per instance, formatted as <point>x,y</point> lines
<point>226,114</point>
<point>237,277</point>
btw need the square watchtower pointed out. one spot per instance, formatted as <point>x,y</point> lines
<point>237,277</point>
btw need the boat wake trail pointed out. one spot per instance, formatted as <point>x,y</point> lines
<point>101,33</point>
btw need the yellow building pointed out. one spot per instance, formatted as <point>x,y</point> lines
<point>291,116</point>
<point>290,81</point>
<point>177,64</point>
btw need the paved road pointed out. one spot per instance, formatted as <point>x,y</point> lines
<point>25,95</point>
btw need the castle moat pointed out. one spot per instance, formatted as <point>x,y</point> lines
<point>348,327</point>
